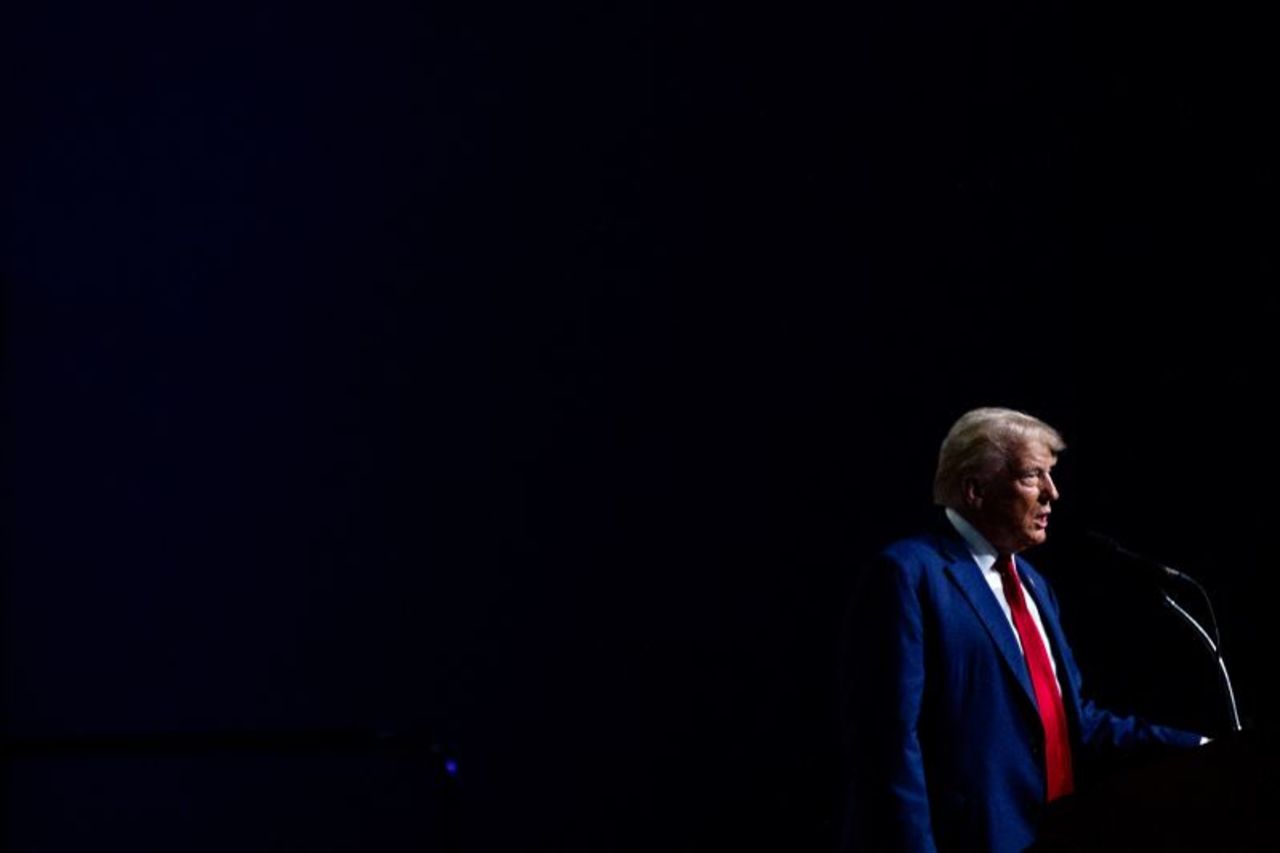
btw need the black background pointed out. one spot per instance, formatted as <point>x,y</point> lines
<point>536,376</point>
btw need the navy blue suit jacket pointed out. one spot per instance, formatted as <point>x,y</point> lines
<point>945,746</point>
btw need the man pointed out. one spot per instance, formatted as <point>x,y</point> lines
<point>962,708</point>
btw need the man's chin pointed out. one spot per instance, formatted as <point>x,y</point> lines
<point>1031,539</point>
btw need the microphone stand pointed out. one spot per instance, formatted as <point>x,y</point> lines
<point>1215,648</point>
<point>1214,643</point>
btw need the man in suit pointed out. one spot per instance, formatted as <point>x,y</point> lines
<point>962,711</point>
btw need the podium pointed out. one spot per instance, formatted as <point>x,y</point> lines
<point>1220,797</point>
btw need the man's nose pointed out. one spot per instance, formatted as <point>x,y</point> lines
<point>1049,490</point>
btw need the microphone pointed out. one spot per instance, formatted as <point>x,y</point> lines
<point>1159,568</point>
<point>1212,642</point>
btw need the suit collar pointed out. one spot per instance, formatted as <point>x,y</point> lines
<point>982,551</point>
<point>964,572</point>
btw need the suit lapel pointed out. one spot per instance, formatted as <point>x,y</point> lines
<point>1048,619</point>
<point>968,577</point>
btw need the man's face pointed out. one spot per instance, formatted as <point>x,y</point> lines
<point>1012,508</point>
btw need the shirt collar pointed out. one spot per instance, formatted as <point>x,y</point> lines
<point>984,553</point>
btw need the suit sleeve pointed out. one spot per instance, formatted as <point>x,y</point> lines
<point>882,688</point>
<point>1103,729</point>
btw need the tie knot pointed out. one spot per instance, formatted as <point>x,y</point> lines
<point>1006,566</point>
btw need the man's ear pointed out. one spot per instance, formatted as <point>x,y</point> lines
<point>973,493</point>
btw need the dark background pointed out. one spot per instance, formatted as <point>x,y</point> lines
<point>533,378</point>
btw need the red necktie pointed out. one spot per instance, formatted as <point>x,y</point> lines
<point>1057,743</point>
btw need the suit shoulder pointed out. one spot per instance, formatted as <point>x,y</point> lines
<point>914,554</point>
<point>922,546</point>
